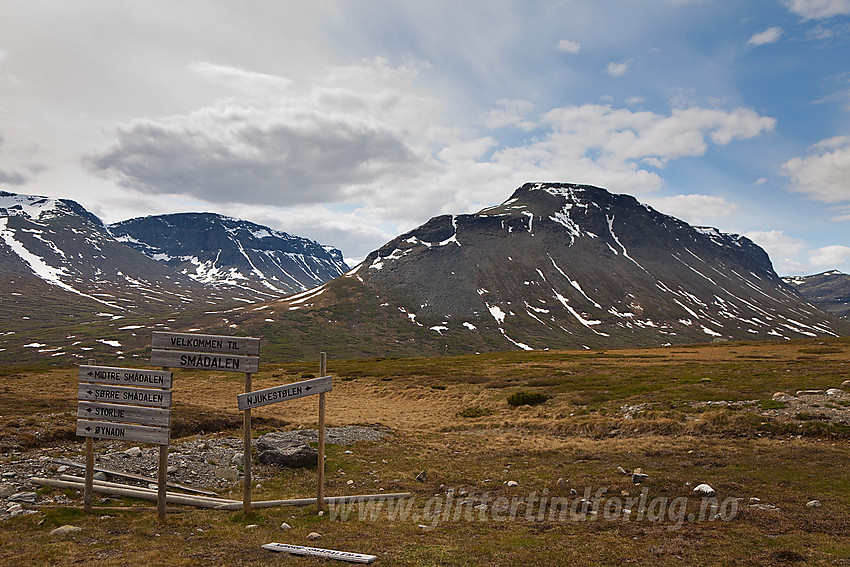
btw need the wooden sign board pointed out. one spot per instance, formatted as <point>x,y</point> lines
<point>124,395</point>
<point>204,361</point>
<point>245,346</point>
<point>277,394</point>
<point>318,552</point>
<point>123,432</point>
<point>124,414</point>
<point>126,377</point>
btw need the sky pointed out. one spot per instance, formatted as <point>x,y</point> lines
<point>352,121</point>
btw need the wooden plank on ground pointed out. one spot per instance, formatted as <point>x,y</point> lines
<point>131,476</point>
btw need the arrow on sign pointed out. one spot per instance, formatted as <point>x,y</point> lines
<point>90,373</point>
<point>88,428</point>
<point>88,410</point>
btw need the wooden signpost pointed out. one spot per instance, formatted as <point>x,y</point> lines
<point>259,398</point>
<point>126,404</point>
<point>213,352</point>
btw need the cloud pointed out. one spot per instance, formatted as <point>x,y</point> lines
<point>825,174</point>
<point>617,69</point>
<point>830,256</point>
<point>357,127</point>
<point>12,178</point>
<point>784,250</point>
<point>818,9</point>
<point>368,137</point>
<point>568,46</point>
<point>511,113</point>
<point>770,35</point>
<point>694,209</point>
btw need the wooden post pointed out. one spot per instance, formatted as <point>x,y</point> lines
<point>320,496</point>
<point>89,484</point>
<point>246,465</point>
<point>163,470</point>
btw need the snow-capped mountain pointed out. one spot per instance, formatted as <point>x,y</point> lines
<point>226,252</point>
<point>54,248</point>
<point>64,276</point>
<point>829,291</point>
<point>563,265</point>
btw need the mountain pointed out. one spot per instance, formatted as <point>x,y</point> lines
<point>563,266</point>
<point>71,289</point>
<point>226,252</point>
<point>829,291</point>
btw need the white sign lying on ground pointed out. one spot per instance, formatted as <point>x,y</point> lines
<point>318,552</point>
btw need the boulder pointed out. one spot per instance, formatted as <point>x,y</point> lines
<point>273,449</point>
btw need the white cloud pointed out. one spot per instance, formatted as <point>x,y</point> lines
<point>617,69</point>
<point>770,35</point>
<point>830,256</point>
<point>694,209</point>
<point>784,251</point>
<point>818,9</point>
<point>825,174</point>
<point>568,46</point>
<point>511,113</point>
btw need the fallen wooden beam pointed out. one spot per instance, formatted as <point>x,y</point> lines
<point>72,478</point>
<point>313,501</point>
<point>132,476</point>
<point>142,494</point>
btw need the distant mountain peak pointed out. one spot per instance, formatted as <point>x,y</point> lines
<point>566,265</point>
<point>220,250</point>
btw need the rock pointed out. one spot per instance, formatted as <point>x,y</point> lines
<point>238,459</point>
<point>573,492</point>
<point>810,393</point>
<point>28,497</point>
<point>314,536</point>
<point>834,392</point>
<point>813,504</point>
<point>14,508</point>
<point>66,529</point>
<point>227,473</point>
<point>782,396</point>
<point>133,452</point>
<point>422,477</point>
<point>10,474</point>
<point>273,449</point>
<point>754,501</point>
<point>638,478</point>
<point>62,469</point>
<point>284,526</point>
<point>845,384</point>
<point>100,476</point>
<point>252,526</point>
<point>512,483</point>
<point>349,452</point>
<point>349,482</point>
<point>6,490</point>
<point>704,490</point>
<point>621,470</point>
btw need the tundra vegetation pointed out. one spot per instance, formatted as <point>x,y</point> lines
<point>683,415</point>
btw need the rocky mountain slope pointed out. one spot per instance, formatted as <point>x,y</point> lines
<point>226,252</point>
<point>830,291</point>
<point>70,288</point>
<point>569,266</point>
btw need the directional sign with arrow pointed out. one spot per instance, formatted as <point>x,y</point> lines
<point>277,394</point>
<point>124,414</point>
<point>126,376</point>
